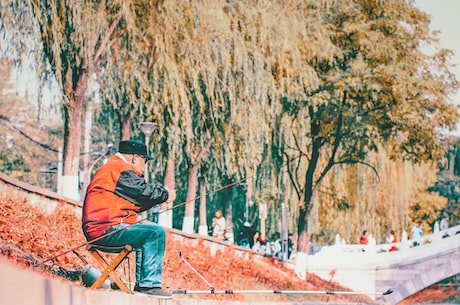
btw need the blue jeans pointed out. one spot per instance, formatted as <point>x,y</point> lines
<point>148,240</point>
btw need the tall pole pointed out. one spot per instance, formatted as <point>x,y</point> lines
<point>87,148</point>
<point>263,217</point>
<point>248,199</point>
<point>284,233</point>
<point>246,213</point>
<point>148,128</point>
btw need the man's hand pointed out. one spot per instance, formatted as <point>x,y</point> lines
<point>171,195</point>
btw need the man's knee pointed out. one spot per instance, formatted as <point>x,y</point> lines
<point>161,232</point>
<point>157,232</point>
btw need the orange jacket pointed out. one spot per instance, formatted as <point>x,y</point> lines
<point>115,195</point>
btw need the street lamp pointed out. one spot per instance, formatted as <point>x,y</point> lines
<point>147,128</point>
<point>246,192</point>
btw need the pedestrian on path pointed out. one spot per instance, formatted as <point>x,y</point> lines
<point>417,234</point>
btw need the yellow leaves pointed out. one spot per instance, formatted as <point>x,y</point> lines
<point>426,207</point>
<point>394,199</point>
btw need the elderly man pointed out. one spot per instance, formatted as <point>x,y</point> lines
<point>116,194</point>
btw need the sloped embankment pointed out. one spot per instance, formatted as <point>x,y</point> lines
<point>30,236</point>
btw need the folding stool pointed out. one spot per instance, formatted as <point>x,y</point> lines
<point>109,269</point>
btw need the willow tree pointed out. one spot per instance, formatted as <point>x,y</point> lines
<point>207,79</point>
<point>172,102</point>
<point>121,96</point>
<point>124,81</point>
<point>74,38</point>
<point>366,83</point>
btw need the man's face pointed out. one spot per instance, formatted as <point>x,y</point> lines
<point>138,162</point>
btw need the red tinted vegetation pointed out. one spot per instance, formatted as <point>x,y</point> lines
<point>44,242</point>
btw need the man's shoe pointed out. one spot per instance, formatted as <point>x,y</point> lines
<point>155,291</point>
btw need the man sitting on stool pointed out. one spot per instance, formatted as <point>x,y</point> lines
<point>116,194</point>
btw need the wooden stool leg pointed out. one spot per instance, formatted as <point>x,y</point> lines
<point>109,270</point>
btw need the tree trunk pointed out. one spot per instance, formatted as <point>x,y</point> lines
<point>169,180</point>
<point>304,213</point>
<point>125,127</point>
<point>188,223</point>
<point>203,228</point>
<point>73,111</point>
<point>87,148</point>
<point>303,237</point>
<point>229,221</point>
<point>166,218</point>
<point>302,225</point>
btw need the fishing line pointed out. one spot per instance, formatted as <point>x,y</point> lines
<point>207,194</point>
<point>138,221</point>
<point>197,273</point>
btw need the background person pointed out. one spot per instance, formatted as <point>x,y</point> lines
<point>444,226</point>
<point>246,236</point>
<point>392,239</point>
<point>229,235</point>
<point>218,225</point>
<point>364,239</point>
<point>417,233</point>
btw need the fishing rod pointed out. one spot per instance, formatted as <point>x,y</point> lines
<point>207,194</point>
<point>211,289</point>
<point>83,245</point>
<point>328,292</point>
<point>197,273</point>
<point>138,221</point>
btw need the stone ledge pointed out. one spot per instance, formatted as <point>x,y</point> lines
<point>26,287</point>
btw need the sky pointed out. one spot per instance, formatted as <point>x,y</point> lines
<point>444,18</point>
